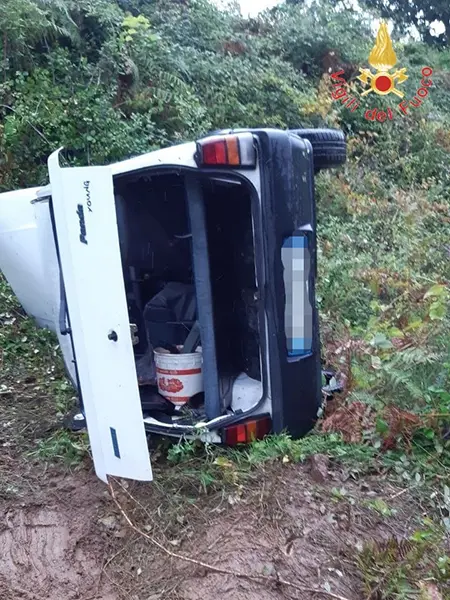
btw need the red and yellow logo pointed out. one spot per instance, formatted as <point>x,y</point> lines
<point>383,81</point>
<point>383,59</point>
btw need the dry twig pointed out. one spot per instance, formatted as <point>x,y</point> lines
<point>258,578</point>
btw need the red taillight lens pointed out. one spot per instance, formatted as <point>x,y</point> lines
<point>215,153</point>
<point>243,433</point>
<point>227,151</point>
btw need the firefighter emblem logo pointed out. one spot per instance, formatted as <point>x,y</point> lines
<point>383,59</point>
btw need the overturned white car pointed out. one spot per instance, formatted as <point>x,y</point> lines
<point>181,286</point>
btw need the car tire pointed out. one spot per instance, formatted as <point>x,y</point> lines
<point>329,146</point>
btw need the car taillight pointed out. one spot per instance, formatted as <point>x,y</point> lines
<point>227,151</point>
<point>249,431</point>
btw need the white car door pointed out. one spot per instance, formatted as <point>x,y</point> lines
<point>88,241</point>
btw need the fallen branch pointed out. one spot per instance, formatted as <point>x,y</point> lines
<point>258,578</point>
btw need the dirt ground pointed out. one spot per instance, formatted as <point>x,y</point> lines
<point>290,528</point>
<point>50,547</point>
<point>63,537</point>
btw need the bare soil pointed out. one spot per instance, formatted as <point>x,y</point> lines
<point>49,546</point>
<point>62,537</point>
<point>288,527</point>
<point>51,543</point>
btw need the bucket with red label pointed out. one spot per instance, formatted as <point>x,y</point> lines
<point>179,376</point>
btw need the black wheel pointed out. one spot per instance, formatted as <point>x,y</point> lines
<point>329,146</point>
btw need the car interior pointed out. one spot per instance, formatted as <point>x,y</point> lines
<point>166,288</point>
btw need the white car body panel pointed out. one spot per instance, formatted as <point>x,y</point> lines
<point>85,218</point>
<point>23,263</point>
<point>29,262</point>
<point>95,294</point>
<point>182,155</point>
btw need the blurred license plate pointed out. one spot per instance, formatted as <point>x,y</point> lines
<point>298,315</point>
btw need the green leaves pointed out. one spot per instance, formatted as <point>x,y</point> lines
<point>381,426</point>
<point>437,291</point>
<point>376,362</point>
<point>133,27</point>
<point>440,295</point>
<point>438,310</point>
<point>381,507</point>
<point>381,342</point>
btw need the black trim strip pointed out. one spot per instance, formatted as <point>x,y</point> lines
<point>205,305</point>
<point>64,316</point>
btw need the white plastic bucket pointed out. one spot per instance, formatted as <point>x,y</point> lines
<point>179,376</point>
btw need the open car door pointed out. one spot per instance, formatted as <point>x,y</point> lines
<point>89,253</point>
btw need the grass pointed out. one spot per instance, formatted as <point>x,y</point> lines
<point>413,464</point>
<point>70,448</point>
<point>215,463</point>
